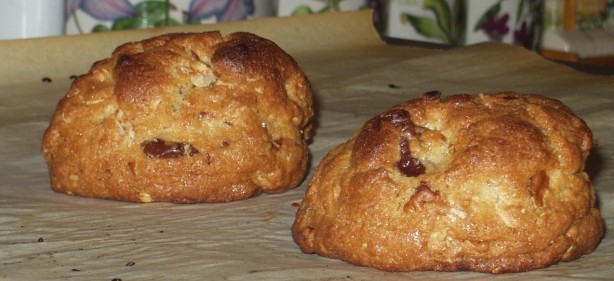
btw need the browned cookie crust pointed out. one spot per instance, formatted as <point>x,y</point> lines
<point>489,183</point>
<point>183,118</point>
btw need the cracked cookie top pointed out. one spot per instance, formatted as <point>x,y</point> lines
<point>490,183</point>
<point>185,118</point>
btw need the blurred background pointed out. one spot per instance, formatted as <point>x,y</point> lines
<point>566,30</point>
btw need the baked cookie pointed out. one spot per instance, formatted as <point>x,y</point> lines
<point>184,118</point>
<point>488,183</point>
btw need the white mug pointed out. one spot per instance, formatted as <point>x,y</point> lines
<point>87,17</point>
<point>20,19</point>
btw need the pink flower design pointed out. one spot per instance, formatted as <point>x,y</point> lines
<point>524,36</point>
<point>223,10</point>
<point>102,9</point>
<point>495,27</point>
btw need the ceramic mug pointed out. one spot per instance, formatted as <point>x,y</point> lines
<point>511,21</point>
<point>21,19</point>
<point>86,16</point>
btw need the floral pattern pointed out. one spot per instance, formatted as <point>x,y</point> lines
<point>447,24</point>
<point>152,13</point>
<point>495,24</point>
<point>102,9</point>
<point>328,6</point>
<point>528,22</point>
<point>523,36</point>
<point>223,10</point>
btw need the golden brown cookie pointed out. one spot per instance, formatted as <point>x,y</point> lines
<point>185,118</point>
<point>489,183</point>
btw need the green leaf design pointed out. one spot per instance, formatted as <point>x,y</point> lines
<point>99,28</point>
<point>442,13</point>
<point>169,22</point>
<point>302,10</point>
<point>147,14</point>
<point>458,22</point>
<point>426,26</point>
<point>127,23</point>
<point>151,11</point>
<point>520,12</point>
<point>495,9</point>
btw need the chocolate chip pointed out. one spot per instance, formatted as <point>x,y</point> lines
<point>159,148</point>
<point>407,164</point>
<point>123,60</point>
<point>432,95</point>
<point>402,119</point>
